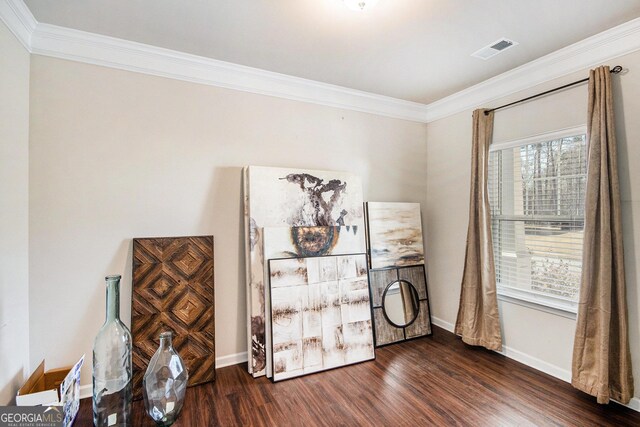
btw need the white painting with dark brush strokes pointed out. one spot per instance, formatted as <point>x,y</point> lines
<point>302,242</point>
<point>320,314</point>
<point>305,242</point>
<point>300,199</point>
<point>395,234</point>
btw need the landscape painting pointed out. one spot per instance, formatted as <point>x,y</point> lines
<point>320,314</point>
<point>395,234</point>
<point>290,198</point>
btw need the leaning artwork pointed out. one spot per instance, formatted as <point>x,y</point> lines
<point>320,314</point>
<point>301,242</point>
<point>279,197</point>
<point>400,304</point>
<point>294,242</point>
<point>395,234</point>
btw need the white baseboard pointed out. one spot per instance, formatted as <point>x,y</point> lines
<point>443,324</point>
<point>634,404</point>
<point>221,362</point>
<point>536,363</point>
<point>533,362</point>
<point>231,359</point>
<point>86,391</point>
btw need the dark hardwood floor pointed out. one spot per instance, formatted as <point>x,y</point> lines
<point>435,381</point>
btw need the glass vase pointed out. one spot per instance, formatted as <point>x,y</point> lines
<point>112,368</point>
<point>165,383</point>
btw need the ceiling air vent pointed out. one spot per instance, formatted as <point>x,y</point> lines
<point>494,48</point>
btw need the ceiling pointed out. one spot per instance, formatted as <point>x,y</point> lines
<point>417,50</point>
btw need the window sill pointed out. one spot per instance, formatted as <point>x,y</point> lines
<point>538,302</point>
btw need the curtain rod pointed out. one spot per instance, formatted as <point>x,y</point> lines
<point>614,70</point>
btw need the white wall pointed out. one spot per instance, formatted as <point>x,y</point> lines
<point>117,155</point>
<point>543,339</point>
<point>14,213</point>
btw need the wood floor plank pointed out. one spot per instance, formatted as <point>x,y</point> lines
<point>435,381</point>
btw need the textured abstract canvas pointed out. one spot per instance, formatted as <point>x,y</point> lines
<point>395,234</point>
<point>301,242</point>
<point>278,197</point>
<point>173,291</point>
<point>298,197</point>
<point>293,242</point>
<point>320,314</point>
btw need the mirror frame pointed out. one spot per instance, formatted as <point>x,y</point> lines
<point>386,333</point>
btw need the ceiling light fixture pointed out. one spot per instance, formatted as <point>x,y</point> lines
<point>360,5</point>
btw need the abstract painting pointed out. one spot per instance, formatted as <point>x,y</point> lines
<point>279,197</point>
<point>302,242</point>
<point>320,314</point>
<point>296,197</point>
<point>395,234</point>
<point>415,304</point>
<point>296,242</point>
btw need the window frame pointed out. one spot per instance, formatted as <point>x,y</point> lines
<point>533,299</point>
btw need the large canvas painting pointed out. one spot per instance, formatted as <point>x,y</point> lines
<point>289,198</point>
<point>395,234</point>
<point>320,314</point>
<point>294,242</point>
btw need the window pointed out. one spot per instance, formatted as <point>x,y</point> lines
<point>536,192</point>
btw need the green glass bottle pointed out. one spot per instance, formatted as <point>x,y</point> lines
<point>112,367</point>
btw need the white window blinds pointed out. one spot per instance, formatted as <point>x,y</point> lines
<point>536,193</point>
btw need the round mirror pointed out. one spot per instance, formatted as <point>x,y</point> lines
<point>400,303</point>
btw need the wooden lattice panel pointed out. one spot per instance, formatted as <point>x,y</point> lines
<point>173,291</point>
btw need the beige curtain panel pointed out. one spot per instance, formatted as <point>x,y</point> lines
<point>601,357</point>
<point>478,321</point>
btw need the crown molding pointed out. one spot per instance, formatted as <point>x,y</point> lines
<point>19,19</point>
<point>592,51</point>
<point>66,43</point>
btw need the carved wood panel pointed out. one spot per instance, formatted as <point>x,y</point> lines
<point>173,289</point>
